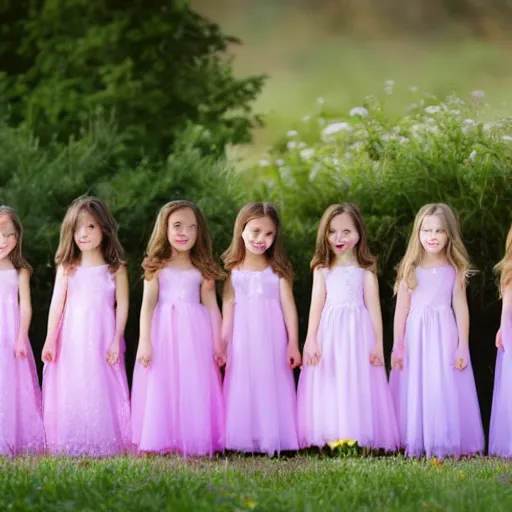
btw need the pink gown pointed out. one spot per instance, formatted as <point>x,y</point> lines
<point>344,396</point>
<point>21,422</point>
<point>500,430</point>
<point>86,404</point>
<point>436,404</point>
<point>177,401</point>
<point>259,388</point>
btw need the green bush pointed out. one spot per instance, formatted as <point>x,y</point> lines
<point>437,151</point>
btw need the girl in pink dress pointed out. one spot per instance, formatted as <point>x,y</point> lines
<point>343,389</point>
<point>260,331</point>
<point>432,379</point>
<point>500,431</point>
<point>176,394</point>
<point>21,422</point>
<point>85,394</point>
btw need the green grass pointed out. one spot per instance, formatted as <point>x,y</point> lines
<point>255,483</point>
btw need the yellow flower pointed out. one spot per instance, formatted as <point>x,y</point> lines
<point>250,504</point>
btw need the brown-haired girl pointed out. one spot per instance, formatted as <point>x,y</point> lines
<point>260,329</point>
<point>85,393</point>
<point>432,380</point>
<point>176,395</point>
<point>21,422</point>
<point>500,430</point>
<point>343,389</point>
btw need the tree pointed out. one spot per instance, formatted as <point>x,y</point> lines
<point>158,65</point>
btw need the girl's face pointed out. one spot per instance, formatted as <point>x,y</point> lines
<point>433,235</point>
<point>342,234</point>
<point>258,235</point>
<point>182,229</point>
<point>8,236</point>
<point>88,235</point>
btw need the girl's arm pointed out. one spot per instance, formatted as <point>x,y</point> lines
<point>209,300</point>
<point>228,311</point>
<point>372,302</point>
<point>25,313</point>
<point>149,300</point>
<point>461,310</point>
<point>54,316</point>
<point>403,303</point>
<point>506,317</point>
<point>318,295</point>
<point>291,321</point>
<point>122,306</point>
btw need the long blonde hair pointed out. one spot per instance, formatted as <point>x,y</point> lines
<point>276,255</point>
<point>16,255</point>
<point>504,267</point>
<point>69,255</point>
<point>159,250</point>
<point>324,256</point>
<point>456,253</point>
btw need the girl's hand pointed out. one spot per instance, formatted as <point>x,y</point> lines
<point>49,350</point>
<point>312,353</point>
<point>293,355</point>
<point>20,350</point>
<point>113,353</point>
<point>461,357</point>
<point>397,357</point>
<point>377,357</point>
<point>219,354</point>
<point>499,341</point>
<point>145,354</point>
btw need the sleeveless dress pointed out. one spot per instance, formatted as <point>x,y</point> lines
<point>437,405</point>
<point>21,422</point>
<point>259,387</point>
<point>344,397</point>
<point>177,402</point>
<point>500,430</point>
<point>86,404</point>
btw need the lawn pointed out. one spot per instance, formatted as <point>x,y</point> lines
<point>255,483</point>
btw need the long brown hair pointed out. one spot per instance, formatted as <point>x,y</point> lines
<point>16,255</point>
<point>276,255</point>
<point>324,256</point>
<point>504,267</point>
<point>159,250</point>
<point>69,255</point>
<point>456,253</point>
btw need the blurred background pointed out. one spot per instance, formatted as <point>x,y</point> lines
<point>343,50</point>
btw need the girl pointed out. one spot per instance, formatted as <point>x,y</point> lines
<point>21,423</point>
<point>500,431</point>
<point>85,393</point>
<point>433,385</point>
<point>343,389</point>
<point>177,398</point>
<point>260,328</point>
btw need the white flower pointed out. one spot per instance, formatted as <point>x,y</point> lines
<point>305,119</point>
<point>388,89</point>
<point>455,112</point>
<point>264,163</point>
<point>302,145</point>
<point>478,95</point>
<point>469,122</point>
<point>468,125</point>
<point>357,145</point>
<point>389,83</point>
<point>320,101</point>
<point>321,121</point>
<point>506,138</point>
<point>292,133</point>
<point>433,109</point>
<point>359,111</point>
<point>472,155</point>
<point>487,127</point>
<point>307,153</point>
<point>291,145</point>
<point>279,162</point>
<point>286,174</point>
<point>314,171</point>
<point>334,128</point>
<point>348,155</point>
<point>413,88</point>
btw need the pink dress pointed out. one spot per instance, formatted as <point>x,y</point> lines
<point>500,430</point>
<point>437,405</point>
<point>21,422</point>
<point>259,388</point>
<point>177,401</point>
<point>85,400</point>
<point>344,396</point>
